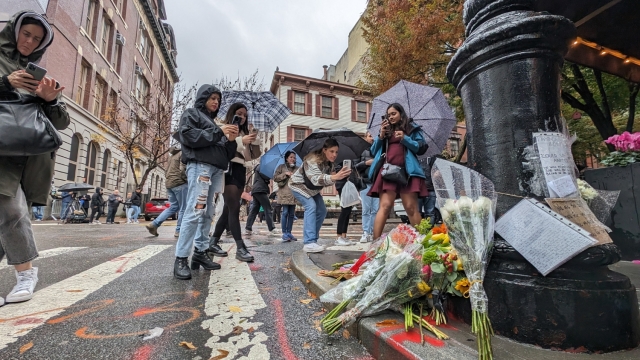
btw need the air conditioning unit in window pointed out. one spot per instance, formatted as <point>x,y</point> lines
<point>138,70</point>
<point>141,25</point>
<point>120,40</point>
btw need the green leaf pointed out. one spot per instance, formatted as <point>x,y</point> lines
<point>452,277</point>
<point>438,268</point>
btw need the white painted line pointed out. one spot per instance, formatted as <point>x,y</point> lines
<point>233,289</point>
<point>45,254</point>
<point>19,319</point>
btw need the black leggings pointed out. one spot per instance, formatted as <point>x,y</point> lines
<point>230,218</point>
<point>343,219</point>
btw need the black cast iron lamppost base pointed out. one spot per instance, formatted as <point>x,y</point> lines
<point>508,75</point>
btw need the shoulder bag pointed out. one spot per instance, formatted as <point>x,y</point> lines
<point>25,130</point>
<point>394,173</point>
<point>307,182</point>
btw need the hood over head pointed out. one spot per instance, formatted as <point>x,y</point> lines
<point>204,93</point>
<point>9,37</point>
<point>98,189</point>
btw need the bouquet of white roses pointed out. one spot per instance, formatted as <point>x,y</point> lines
<point>467,202</point>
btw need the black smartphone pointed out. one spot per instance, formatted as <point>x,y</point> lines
<point>36,71</point>
<point>236,120</point>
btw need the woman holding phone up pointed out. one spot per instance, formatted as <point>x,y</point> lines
<point>307,183</point>
<point>25,180</point>
<point>401,141</point>
<point>235,180</point>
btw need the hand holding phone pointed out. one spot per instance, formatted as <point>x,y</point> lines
<point>237,120</point>
<point>346,164</point>
<point>36,71</point>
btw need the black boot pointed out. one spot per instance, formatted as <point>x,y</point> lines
<point>215,249</point>
<point>200,258</point>
<point>243,254</point>
<point>181,269</point>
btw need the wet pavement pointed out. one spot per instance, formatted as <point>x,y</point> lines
<point>103,288</point>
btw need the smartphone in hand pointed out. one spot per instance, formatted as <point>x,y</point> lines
<point>346,164</point>
<point>236,120</point>
<point>36,71</point>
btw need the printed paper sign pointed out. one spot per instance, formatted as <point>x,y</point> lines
<point>545,238</point>
<point>577,211</point>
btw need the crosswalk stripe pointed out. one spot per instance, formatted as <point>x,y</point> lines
<point>17,320</point>
<point>233,300</point>
<point>46,253</point>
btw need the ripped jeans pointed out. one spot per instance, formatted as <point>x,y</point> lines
<point>204,181</point>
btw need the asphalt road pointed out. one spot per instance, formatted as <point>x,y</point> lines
<point>103,288</point>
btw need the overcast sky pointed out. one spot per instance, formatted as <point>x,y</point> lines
<point>224,37</point>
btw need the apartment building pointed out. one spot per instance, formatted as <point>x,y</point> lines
<point>317,104</point>
<point>108,54</point>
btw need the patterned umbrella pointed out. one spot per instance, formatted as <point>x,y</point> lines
<point>426,105</point>
<point>265,111</point>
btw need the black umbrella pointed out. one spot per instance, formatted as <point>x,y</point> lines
<point>351,144</point>
<point>75,187</point>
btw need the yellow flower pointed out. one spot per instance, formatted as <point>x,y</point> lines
<point>446,239</point>
<point>463,285</point>
<point>460,267</point>
<point>423,287</point>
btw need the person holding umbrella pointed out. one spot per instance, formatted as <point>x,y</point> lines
<point>400,143</point>
<point>307,183</point>
<point>285,196</point>
<point>235,180</point>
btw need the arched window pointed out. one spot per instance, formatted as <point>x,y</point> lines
<point>156,190</point>
<point>73,157</point>
<point>104,177</point>
<point>90,169</point>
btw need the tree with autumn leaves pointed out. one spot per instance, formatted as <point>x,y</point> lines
<point>412,40</point>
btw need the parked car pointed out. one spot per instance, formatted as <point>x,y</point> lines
<point>155,207</point>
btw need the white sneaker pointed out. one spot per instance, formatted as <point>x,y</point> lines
<point>247,232</point>
<point>136,222</point>
<point>370,238</point>
<point>23,290</point>
<point>343,242</point>
<point>313,248</point>
<point>276,232</point>
<point>97,222</point>
<point>364,238</point>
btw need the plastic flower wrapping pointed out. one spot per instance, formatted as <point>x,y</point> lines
<point>467,202</point>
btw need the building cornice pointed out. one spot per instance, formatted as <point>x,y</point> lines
<point>158,31</point>
<point>283,78</point>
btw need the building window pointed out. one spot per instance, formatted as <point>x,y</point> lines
<point>90,163</point>
<point>117,58</point>
<point>73,157</point>
<point>120,175</point>
<point>299,102</point>
<point>360,111</point>
<point>299,134</point>
<point>104,38</point>
<point>112,106</point>
<point>90,20</point>
<point>454,146</point>
<point>327,107</point>
<point>142,89</point>
<point>145,45</point>
<point>83,85</point>
<point>121,7</point>
<point>104,177</point>
<point>141,131</point>
<point>98,97</point>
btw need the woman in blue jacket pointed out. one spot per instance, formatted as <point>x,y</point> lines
<point>401,142</point>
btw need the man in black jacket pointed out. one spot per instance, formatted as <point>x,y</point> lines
<point>134,211</point>
<point>260,193</point>
<point>114,202</point>
<point>206,150</point>
<point>97,206</point>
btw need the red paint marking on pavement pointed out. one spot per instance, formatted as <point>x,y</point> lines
<point>282,332</point>
<point>414,337</point>
<point>144,311</point>
<point>254,267</point>
<point>143,353</point>
<point>121,268</point>
<point>28,321</point>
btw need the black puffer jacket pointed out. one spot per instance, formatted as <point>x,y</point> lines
<point>136,199</point>
<point>202,140</point>
<point>97,200</point>
<point>260,183</point>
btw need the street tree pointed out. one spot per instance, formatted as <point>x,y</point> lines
<point>252,82</point>
<point>143,126</point>
<point>412,40</point>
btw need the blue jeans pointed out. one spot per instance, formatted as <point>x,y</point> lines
<point>133,213</point>
<point>37,212</point>
<point>63,209</point>
<point>430,206</point>
<point>204,181</point>
<point>286,220</point>
<point>370,207</point>
<point>176,195</point>
<point>314,213</point>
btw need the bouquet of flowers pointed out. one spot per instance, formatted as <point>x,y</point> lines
<point>627,149</point>
<point>467,202</point>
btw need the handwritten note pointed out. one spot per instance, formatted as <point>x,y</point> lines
<point>563,186</point>
<point>556,159</point>
<point>577,211</point>
<point>545,238</point>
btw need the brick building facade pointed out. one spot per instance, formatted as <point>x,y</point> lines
<point>108,54</point>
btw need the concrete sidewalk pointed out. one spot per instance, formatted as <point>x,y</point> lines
<point>392,342</point>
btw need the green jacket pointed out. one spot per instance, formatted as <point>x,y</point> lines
<point>175,174</point>
<point>33,173</point>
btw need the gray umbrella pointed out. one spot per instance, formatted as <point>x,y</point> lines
<point>426,105</point>
<point>75,187</point>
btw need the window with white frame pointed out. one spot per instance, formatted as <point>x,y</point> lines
<point>299,102</point>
